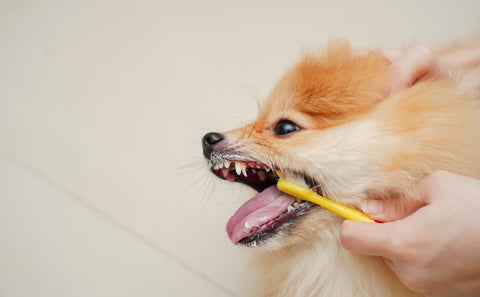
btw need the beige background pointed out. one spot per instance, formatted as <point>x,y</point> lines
<point>103,188</point>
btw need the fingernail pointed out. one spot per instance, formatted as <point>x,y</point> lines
<point>374,207</point>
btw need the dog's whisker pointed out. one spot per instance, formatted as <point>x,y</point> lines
<point>190,167</point>
<point>207,193</point>
<point>205,175</point>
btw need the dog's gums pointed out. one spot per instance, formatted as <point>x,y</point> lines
<point>268,212</point>
<point>256,175</point>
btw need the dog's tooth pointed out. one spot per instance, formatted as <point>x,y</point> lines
<point>216,166</point>
<point>254,171</point>
<point>290,208</point>
<point>226,164</point>
<point>238,168</point>
<point>267,169</point>
<point>225,172</point>
<point>262,175</point>
<point>244,171</point>
<point>243,166</point>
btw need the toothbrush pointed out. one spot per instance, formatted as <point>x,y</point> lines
<point>304,193</point>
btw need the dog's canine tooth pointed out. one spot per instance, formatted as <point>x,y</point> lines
<point>238,168</point>
<point>262,175</point>
<point>244,171</point>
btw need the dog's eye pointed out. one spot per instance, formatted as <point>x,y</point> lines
<point>285,127</point>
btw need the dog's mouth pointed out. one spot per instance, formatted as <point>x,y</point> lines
<point>267,213</point>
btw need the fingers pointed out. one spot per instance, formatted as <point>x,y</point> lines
<point>413,64</point>
<point>418,62</point>
<point>463,58</point>
<point>410,65</point>
<point>364,238</point>
<point>446,186</point>
<point>438,185</point>
<point>433,187</point>
<point>391,209</point>
<point>402,217</point>
<point>396,241</point>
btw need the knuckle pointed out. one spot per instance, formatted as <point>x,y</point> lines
<point>402,247</point>
<point>397,248</point>
<point>421,51</point>
<point>437,178</point>
<point>424,58</point>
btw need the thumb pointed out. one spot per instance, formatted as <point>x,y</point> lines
<point>364,238</point>
<point>387,210</point>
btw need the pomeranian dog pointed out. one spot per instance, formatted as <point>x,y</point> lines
<point>330,125</point>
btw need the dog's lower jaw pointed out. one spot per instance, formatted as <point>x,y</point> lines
<point>326,269</point>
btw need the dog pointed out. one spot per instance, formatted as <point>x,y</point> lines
<point>330,125</point>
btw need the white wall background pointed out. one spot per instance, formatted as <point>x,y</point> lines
<point>103,188</point>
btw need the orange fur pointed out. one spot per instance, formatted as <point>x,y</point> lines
<point>358,145</point>
<point>344,85</point>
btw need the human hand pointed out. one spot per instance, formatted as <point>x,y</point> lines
<point>418,62</point>
<point>413,64</point>
<point>435,249</point>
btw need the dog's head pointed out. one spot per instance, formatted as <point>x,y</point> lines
<point>320,128</point>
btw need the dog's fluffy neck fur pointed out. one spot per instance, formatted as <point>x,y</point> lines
<point>327,270</point>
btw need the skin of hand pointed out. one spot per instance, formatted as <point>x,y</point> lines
<point>419,62</point>
<point>415,63</point>
<point>433,245</point>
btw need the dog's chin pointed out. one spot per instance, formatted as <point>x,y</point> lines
<point>270,218</point>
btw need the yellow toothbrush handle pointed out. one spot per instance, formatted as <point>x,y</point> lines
<point>304,193</point>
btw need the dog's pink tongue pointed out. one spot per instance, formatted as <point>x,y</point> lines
<point>263,207</point>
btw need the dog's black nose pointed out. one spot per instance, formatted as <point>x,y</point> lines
<point>209,141</point>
